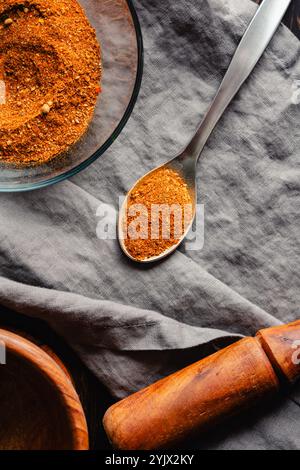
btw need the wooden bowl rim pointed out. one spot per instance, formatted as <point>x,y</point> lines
<point>49,368</point>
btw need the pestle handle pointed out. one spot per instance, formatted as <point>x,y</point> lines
<point>205,393</point>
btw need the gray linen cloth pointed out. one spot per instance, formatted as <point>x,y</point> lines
<point>132,325</point>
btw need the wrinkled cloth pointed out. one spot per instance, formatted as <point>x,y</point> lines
<point>132,325</point>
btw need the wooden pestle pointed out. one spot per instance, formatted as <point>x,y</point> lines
<point>204,394</point>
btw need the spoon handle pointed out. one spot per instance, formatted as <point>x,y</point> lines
<point>253,44</point>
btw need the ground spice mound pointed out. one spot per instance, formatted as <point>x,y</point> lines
<point>163,187</point>
<point>51,67</point>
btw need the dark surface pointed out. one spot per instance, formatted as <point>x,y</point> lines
<point>94,396</point>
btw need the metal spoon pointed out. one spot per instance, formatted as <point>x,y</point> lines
<point>252,46</point>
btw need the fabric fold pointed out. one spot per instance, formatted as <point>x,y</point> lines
<point>132,325</point>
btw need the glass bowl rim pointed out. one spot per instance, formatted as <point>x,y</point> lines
<point>115,134</point>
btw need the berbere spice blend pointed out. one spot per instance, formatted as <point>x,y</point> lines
<point>159,210</point>
<point>50,66</point>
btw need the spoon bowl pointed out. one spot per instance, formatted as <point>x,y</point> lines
<point>184,167</point>
<point>253,44</point>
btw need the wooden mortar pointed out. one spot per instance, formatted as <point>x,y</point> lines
<point>204,394</point>
<point>40,409</point>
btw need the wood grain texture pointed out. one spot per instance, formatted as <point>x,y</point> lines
<point>93,395</point>
<point>40,409</point>
<point>204,394</point>
<point>192,400</point>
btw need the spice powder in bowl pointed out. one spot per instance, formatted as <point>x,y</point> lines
<point>50,72</point>
<point>158,211</point>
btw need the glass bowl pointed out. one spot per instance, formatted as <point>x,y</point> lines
<point>118,30</point>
